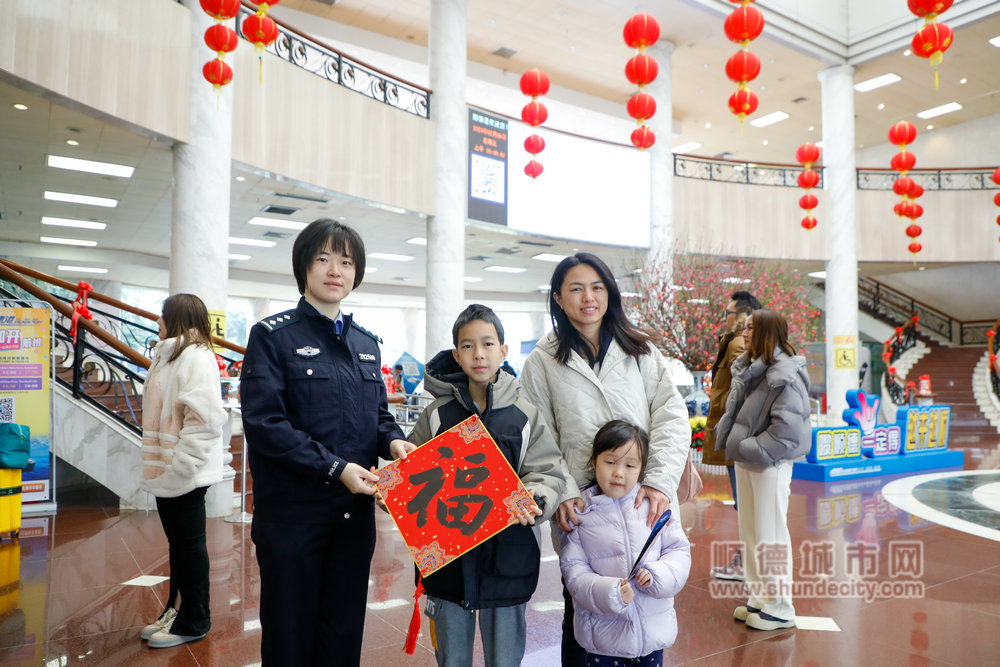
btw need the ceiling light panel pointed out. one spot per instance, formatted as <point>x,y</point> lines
<point>78,224</point>
<point>235,240</point>
<point>504,269</point>
<point>279,224</point>
<point>417,240</point>
<point>939,111</point>
<point>769,119</point>
<point>877,82</point>
<point>81,269</point>
<point>61,241</point>
<point>686,147</point>
<point>390,256</point>
<point>91,167</point>
<point>88,200</point>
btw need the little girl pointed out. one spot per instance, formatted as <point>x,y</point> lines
<point>618,621</point>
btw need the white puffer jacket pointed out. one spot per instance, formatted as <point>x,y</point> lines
<point>599,553</point>
<point>182,419</point>
<point>576,402</point>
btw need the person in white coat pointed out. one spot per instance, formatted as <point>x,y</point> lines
<point>617,621</point>
<point>182,420</point>
<point>596,366</point>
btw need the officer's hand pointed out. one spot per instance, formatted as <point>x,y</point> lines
<point>400,448</point>
<point>358,480</point>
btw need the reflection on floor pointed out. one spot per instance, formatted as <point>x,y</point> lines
<point>71,607</point>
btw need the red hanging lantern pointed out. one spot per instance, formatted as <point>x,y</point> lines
<point>534,113</point>
<point>914,247</point>
<point>931,42</point>
<point>262,5</point>
<point>217,72</point>
<point>916,191</point>
<point>903,161</point>
<point>744,25</point>
<point>916,210</point>
<point>534,83</point>
<point>902,209</point>
<point>221,39</point>
<point>641,106</point>
<point>260,31</point>
<point>902,133</point>
<point>533,169</point>
<point>996,199</point>
<point>643,137</point>
<point>996,176</point>
<point>808,179</point>
<point>808,201</point>
<point>221,10</point>
<point>928,8</point>
<point>913,231</point>
<point>807,154</point>
<point>743,103</point>
<point>534,144</point>
<point>808,222</point>
<point>641,69</point>
<point>903,185</point>
<point>641,30</point>
<point>742,67</point>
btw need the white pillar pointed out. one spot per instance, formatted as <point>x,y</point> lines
<point>661,159</point>
<point>261,308</point>
<point>200,222</point>
<point>445,291</point>
<point>840,183</point>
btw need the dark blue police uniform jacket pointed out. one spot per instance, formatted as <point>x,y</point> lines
<point>313,401</point>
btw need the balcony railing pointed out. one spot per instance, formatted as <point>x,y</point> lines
<point>748,173</point>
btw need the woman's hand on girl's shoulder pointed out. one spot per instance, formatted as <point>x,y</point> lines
<point>659,503</point>
<point>566,514</point>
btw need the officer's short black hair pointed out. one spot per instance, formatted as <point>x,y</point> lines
<point>745,302</point>
<point>476,311</point>
<point>319,235</point>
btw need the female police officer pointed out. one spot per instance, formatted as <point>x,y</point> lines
<point>315,418</point>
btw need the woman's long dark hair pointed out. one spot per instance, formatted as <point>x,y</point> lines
<point>186,319</point>
<point>631,338</point>
<point>770,331</point>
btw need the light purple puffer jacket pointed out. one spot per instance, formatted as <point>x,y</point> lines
<point>597,555</point>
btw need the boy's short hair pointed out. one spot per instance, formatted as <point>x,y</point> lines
<point>745,302</point>
<point>316,237</point>
<point>476,311</point>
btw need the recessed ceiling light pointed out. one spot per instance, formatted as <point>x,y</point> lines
<point>995,41</point>
<point>764,142</point>
<point>769,119</point>
<point>417,240</point>
<point>821,275</point>
<point>81,199</point>
<point>237,257</point>
<point>963,80</point>
<point>811,128</point>
<point>686,147</point>
<point>922,268</point>
<point>390,256</point>
<point>708,126</point>
<point>819,144</point>
<point>66,222</point>
<point>907,52</point>
<point>72,142</point>
<point>59,241</point>
<point>241,178</point>
<point>20,107</point>
<point>548,257</point>
<point>881,106</point>
<point>274,222</point>
<point>91,167</point>
<point>877,82</point>
<point>930,127</point>
<point>81,269</point>
<point>939,111</point>
<point>236,240</point>
<point>504,269</point>
<point>473,279</point>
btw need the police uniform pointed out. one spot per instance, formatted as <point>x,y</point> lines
<point>313,401</point>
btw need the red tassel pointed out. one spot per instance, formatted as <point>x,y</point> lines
<point>414,630</point>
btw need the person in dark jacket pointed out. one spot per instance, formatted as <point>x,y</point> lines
<point>315,418</point>
<point>497,578</point>
<point>765,427</point>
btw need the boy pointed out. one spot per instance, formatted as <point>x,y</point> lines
<point>499,576</point>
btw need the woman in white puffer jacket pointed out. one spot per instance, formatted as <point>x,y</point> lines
<point>613,618</point>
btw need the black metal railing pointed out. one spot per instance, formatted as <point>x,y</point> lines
<point>748,173</point>
<point>886,303</point>
<point>324,61</point>
<point>929,179</point>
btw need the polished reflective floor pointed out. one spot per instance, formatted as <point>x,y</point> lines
<point>77,588</point>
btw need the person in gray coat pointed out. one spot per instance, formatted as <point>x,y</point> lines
<point>765,427</point>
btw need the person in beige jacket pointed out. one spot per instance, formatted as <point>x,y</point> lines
<point>596,366</point>
<point>182,420</point>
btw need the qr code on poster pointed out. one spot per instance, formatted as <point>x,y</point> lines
<point>487,179</point>
<point>7,408</point>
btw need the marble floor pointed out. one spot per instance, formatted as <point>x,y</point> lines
<point>78,586</point>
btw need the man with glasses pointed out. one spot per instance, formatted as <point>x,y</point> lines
<point>730,347</point>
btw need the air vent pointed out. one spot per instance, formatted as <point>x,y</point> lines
<point>280,210</point>
<point>798,100</point>
<point>480,258</point>
<point>402,279</point>
<point>724,155</point>
<point>504,52</point>
<point>277,235</point>
<point>535,243</point>
<point>508,251</point>
<point>289,195</point>
<point>327,2</point>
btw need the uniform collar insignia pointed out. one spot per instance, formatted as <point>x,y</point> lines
<point>308,351</point>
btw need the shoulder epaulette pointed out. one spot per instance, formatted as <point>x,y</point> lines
<point>366,332</point>
<point>275,322</point>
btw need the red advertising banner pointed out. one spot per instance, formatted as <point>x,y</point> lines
<point>451,494</point>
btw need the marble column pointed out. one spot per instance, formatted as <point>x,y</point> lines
<point>261,308</point>
<point>445,291</point>
<point>661,159</point>
<point>840,183</point>
<point>199,225</point>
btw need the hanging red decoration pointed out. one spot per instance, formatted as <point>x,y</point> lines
<point>534,144</point>
<point>263,5</point>
<point>902,133</point>
<point>931,42</point>
<point>916,191</point>
<point>743,103</point>
<point>221,39</point>
<point>808,222</point>
<point>996,176</point>
<point>743,66</point>
<point>902,186</point>
<point>217,72</point>
<point>260,31</point>
<point>535,82</point>
<point>807,154</point>
<point>903,161</point>
<point>916,210</point>
<point>914,247</point>
<point>643,137</point>
<point>808,201</point>
<point>808,179</point>
<point>913,231</point>
<point>221,10</point>
<point>928,8</point>
<point>641,70</point>
<point>534,113</point>
<point>641,30</point>
<point>533,169</point>
<point>641,106</point>
<point>902,209</point>
<point>744,25</point>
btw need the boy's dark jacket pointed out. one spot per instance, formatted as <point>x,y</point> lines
<point>503,571</point>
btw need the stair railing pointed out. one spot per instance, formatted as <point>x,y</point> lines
<point>906,337</point>
<point>992,345</point>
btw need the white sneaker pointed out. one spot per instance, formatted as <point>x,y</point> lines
<point>163,639</point>
<point>163,623</point>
